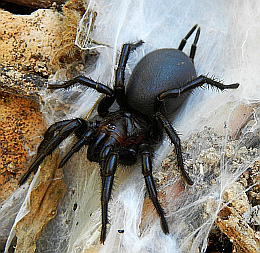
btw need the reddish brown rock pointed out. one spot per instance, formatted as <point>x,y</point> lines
<point>33,47</point>
<point>21,126</point>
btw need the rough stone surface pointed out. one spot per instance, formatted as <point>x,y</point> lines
<point>21,126</point>
<point>33,48</point>
<point>239,217</point>
<point>26,45</point>
<point>237,225</point>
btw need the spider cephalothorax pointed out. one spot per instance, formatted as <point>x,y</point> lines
<point>160,82</point>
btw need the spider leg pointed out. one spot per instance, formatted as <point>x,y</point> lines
<point>109,159</point>
<point>108,146</point>
<point>195,83</point>
<point>84,140</point>
<point>104,105</point>
<point>51,142</point>
<point>120,73</point>
<point>86,82</point>
<point>177,144</point>
<point>93,147</point>
<point>150,185</point>
<point>184,40</point>
<point>194,44</point>
<point>50,132</point>
<point>108,180</point>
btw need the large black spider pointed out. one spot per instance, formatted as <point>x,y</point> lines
<point>161,81</point>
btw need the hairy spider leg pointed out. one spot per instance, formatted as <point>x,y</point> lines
<point>119,86</point>
<point>110,97</point>
<point>184,40</point>
<point>84,140</point>
<point>51,142</point>
<point>174,93</point>
<point>50,132</point>
<point>104,104</point>
<point>177,144</point>
<point>108,145</point>
<point>108,180</point>
<point>195,83</point>
<point>86,82</point>
<point>92,155</point>
<point>107,172</point>
<point>150,185</point>
<point>120,73</point>
<point>108,165</point>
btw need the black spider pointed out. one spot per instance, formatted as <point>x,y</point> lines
<point>161,81</point>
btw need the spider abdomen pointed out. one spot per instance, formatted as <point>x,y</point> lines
<point>159,71</point>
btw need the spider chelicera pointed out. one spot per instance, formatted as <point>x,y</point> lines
<point>160,82</point>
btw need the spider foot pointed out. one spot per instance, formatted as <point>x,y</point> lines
<point>103,234</point>
<point>34,166</point>
<point>231,86</point>
<point>136,45</point>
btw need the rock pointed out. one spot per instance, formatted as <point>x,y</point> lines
<point>33,48</point>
